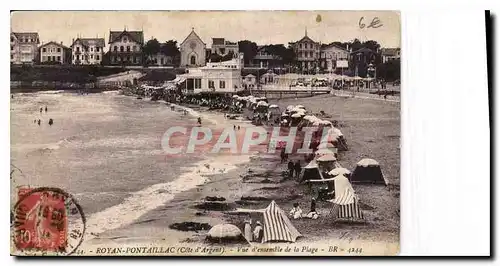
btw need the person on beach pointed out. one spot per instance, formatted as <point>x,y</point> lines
<point>199,121</point>
<point>248,230</point>
<point>34,121</point>
<point>12,96</point>
<point>282,155</point>
<point>51,122</point>
<point>234,127</point>
<point>41,110</point>
<point>297,169</point>
<point>258,232</point>
<point>290,169</point>
<point>296,212</point>
<point>45,108</point>
<point>39,121</point>
<point>238,127</point>
<point>312,212</point>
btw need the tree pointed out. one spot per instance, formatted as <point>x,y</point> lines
<point>169,48</point>
<point>390,70</point>
<point>249,50</point>
<point>215,58</point>
<point>151,47</point>
<point>228,56</point>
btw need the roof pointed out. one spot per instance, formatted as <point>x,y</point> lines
<point>363,50</point>
<point>390,51</point>
<point>29,35</point>
<point>305,38</point>
<point>55,43</point>
<point>195,35</point>
<point>336,46</point>
<point>136,36</point>
<point>218,41</point>
<point>99,42</point>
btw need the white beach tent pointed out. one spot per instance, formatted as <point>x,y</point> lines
<point>346,205</point>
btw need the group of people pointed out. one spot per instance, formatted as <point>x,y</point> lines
<point>297,213</point>
<point>256,234</point>
<point>294,169</point>
<point>39,121</point>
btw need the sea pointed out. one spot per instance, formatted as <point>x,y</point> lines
<point>105,149</point>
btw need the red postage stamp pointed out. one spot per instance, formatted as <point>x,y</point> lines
<point>40,221</point>
<point>47,221</point>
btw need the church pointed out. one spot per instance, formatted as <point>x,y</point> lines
<point>192,51</point>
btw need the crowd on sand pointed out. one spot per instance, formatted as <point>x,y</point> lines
<point>320,167</point>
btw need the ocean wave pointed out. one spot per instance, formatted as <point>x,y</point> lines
<point>150,198</point>
<point>51,92</point>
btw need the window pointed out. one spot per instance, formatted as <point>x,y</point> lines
<point>211,84</point>
<point>128,48</point>
<point>91,49</point>
<point>58,50</point>
<point>91,56</point>
<point>78,49</point>
<point>97,49</point>
<point>44,58</point>
<point>193,60</point>
<point>311,54</point>
<point>197,83</point>
<point>11,56</point>
<point>121,48</point>
<point>116,48</point>
<point>44,50</point>
<point>97,57</point>
<point>300,45</point>
<point>222,84</point>
<point>162,61</point>
<point>58,59</point>
<point>77,57</point>
<point>125,39</point>
<point>12,48</point>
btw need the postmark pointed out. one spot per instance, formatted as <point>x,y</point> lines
<point>46,221</point>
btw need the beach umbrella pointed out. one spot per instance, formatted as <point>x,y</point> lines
<point>296,116</point>
<point>327,158</point>
<point>273,106</point>
<point>290,107</point>
<point>262,103</point>
<point>300,106</point>
<point>339,171</point>
<point>322,152</point>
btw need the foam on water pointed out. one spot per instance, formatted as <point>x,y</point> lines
<point>150,198</point>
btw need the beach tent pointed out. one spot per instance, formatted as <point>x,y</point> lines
<point>340,171</point>
<point>277,226</point>
<point>327,158</point>
<point>310,172</point>
<point>345,203</point>
<point>368,171</point>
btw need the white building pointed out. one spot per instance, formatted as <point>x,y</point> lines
<point>389,54</point>
<point>87,51</point>
<point>331,54</point>
<point>222,77</point>
<point>193,51</point>
<point>222,47</point>
<point>54,52</point>
<point>23,47</point>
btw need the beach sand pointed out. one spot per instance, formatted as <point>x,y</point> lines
<point>372,129</point>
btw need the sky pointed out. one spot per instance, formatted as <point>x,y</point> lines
<point>262,27</point>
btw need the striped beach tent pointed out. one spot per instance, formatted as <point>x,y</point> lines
<point>277,226</point>
<point>345,202</point>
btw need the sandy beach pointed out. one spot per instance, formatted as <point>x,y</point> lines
<point>372,129</point>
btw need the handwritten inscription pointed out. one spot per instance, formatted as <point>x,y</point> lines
<point>375,23</point>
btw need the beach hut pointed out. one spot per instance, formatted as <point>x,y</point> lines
<point>276,225</point>
<point>310,172</point>
<point>340,171</point>
<point>368,171</point>
<point>345,204</point>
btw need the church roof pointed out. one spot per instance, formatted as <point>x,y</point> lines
<point>192,33</point>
